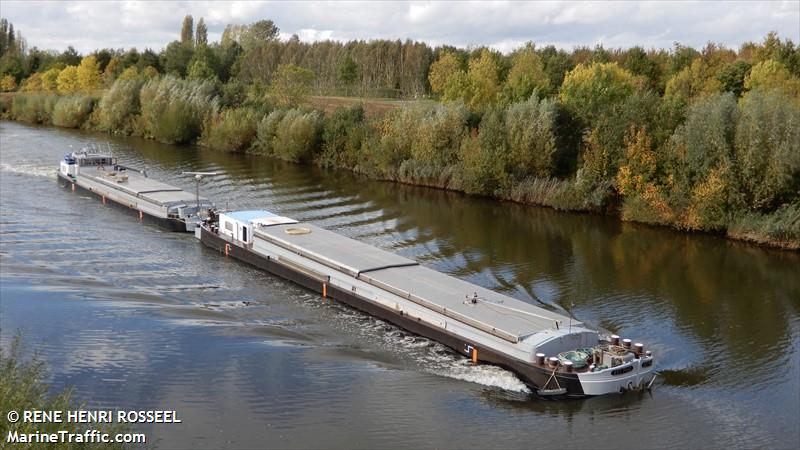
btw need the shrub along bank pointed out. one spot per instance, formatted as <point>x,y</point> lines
<point>718,164</point>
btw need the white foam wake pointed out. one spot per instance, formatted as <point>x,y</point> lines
<point>453,366</point>
<point>28,169</point>
<point>432,356</point>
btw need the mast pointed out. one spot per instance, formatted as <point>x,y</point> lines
<point>197,177</point>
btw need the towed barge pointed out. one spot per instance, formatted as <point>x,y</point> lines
<point>168,206</point>
<point>551,353</point>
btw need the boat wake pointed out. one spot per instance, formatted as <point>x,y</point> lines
<point>453,366</point>
<point>28,169</point>
<point>430,356</point>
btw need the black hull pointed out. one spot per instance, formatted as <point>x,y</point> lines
<point>532,375</point>
<point>162,222</point>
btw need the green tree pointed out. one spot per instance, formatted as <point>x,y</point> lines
<point>187,30</point>
<point>438,134</point>
<point>784,52</point>
<point>200,70</point>
<point>69,57</point>
<point>348,72</point>
<point>699,162</point>
<point>297,135</point>
<point>203,65</point>
<point>201,34</point>
<point>342,136</point>
<point>227,55</point>
<point>531,135</point>
<point>588,90</point>
<point>483,158</point>
<point>173,110</point>
<point>71,111</point>
<point>176,57</point>
<point>639,63</point>
<point>682,57</point>
<point>233,130</point>
<point>145,59</point>
<point>767,150</point>
<point>291,85</point>
<point>556,65</point>
<point>103,57</point>
<point>119,107</point>
<point>258,33</point>
<point>526,75</point>
<point>732,76</point>
<point>11,64</point>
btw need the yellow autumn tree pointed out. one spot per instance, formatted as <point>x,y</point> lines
<point>113,69</point>
<point>50,80</point>
<point>130,73</point>
<point>644,199</point>
<point>33,83</point>
<point>709,204</point>
<point>769,75</point>
<point>640,164</point>
<point>589,90</point>
<point>442,71</point>
<point>67,81</point>
<point>484,81</point>
<point>697,80</point>
<point>89,76</point>
<point>150,72</point>
<point>8,83</point>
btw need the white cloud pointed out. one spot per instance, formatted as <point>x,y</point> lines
<point>89,25</point>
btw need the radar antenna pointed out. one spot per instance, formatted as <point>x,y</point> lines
<point>197,177</point>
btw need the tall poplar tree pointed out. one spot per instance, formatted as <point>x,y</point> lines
<point>187,30</point>
<point>201,33</point>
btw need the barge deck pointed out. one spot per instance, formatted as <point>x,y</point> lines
<point>164,204</point>
<point>486,326</point>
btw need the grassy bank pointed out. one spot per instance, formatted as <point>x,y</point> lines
<point>720,165</point>
<point>22,389</point>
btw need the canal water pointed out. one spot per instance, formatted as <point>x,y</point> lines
<point>137,318</point>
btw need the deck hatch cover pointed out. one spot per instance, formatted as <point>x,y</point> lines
<point>332,250</point>
<point>495,313</point>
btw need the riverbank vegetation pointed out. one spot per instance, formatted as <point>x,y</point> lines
<point>702,140</point>
<point>22,388</point>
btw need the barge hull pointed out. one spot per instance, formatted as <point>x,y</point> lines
<point>533,376</point>
<point>162,222</point>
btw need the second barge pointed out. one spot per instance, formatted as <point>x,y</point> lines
<point>169,206</point>
<point>551,353</point>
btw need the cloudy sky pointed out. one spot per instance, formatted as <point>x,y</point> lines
<point>88,25</point>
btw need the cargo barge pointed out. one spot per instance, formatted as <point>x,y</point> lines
<point>154,201</point>
<point>551,353</point>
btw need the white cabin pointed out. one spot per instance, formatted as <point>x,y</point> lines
<point>239,225</point>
